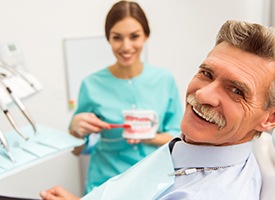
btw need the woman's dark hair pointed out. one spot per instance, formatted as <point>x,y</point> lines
<point>123,9</point>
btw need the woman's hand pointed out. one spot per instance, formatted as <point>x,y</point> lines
<point>86,123</point>
<point>133,141</point>
<point>159,139</point>
<point>83,124</point>
<point>57,193</point>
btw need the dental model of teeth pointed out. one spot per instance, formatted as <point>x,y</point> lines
<point>138,125</point>
<point>143,124</point>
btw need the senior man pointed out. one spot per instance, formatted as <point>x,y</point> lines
<point>229,102</point>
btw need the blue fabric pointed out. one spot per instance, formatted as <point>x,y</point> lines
<point>106,96</point>
<point>238,176</point>
<point>143,181</point>
<point>240,181</point>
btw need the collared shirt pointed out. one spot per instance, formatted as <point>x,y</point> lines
<point>237,177</point>
<point>150,179</point>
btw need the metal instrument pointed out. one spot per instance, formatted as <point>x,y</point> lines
<point>19,104</point>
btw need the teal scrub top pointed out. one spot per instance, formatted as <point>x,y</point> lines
<point>107,96</point>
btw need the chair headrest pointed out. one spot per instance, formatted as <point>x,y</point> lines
<point>272,132</point>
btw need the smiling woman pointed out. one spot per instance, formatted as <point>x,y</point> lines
<point>127,44</point>
<point>127,84</point>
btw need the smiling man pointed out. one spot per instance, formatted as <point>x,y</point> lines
<point>229,102</point>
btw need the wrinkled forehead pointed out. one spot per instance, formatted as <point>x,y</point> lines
<point>256,62</point>
<point>272,68</point>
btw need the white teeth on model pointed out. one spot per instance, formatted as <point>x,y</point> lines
<point>139,125</point>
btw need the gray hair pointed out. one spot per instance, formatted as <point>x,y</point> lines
<point>253,38</point>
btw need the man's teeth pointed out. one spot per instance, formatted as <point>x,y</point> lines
<point>207,118</point>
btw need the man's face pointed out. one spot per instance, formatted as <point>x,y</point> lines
<point>226,98</point>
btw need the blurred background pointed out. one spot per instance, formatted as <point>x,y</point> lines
<point>182,33</point>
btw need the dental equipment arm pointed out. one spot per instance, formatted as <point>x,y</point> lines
<point>3,141</point>
<point>22,108</point>
<point>11,120</point>
<point>19,104</point>
<point>21,73</point>
<point>6,147</point>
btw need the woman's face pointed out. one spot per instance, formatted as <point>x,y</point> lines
<point>127,38</point>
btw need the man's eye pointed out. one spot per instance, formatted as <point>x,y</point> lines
<point>238,91</point>
<point>207,74</point>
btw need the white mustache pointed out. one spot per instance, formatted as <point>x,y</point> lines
<point>206,112</point>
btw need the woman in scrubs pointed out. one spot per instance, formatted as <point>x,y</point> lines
<point>127,84</point>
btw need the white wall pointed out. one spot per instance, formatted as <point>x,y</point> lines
<point>183,31</point>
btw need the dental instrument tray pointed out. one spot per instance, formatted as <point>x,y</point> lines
<point>23,153</point>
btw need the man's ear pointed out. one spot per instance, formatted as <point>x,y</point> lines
<point>268,122</point>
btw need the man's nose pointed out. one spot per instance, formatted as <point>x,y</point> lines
<point>209,94</point>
